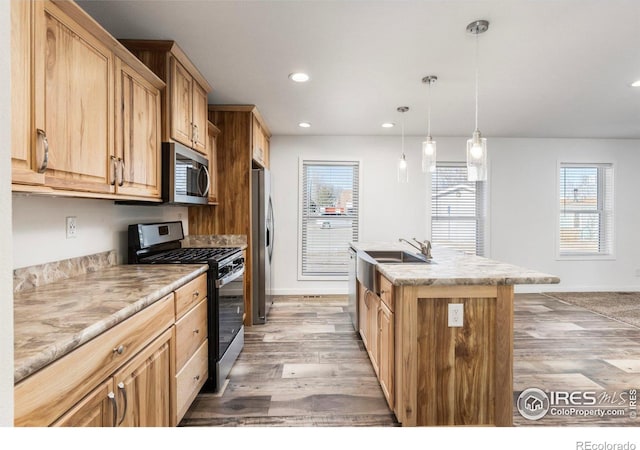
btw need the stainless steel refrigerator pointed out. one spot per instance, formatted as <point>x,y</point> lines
<point>262,242</point>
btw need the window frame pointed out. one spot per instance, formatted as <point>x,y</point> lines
<point>482,204</point>
<point>560,256</point>
<point>301,188</point>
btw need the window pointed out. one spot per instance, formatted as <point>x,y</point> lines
<point>457,209</point>
<point>328,217</point>
<point>586,210</point>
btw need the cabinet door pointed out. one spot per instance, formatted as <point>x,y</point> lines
<point>137,134</point>
<point>73,102</point>
<point>95,410</point>
<point>143,386</point>
<point>372,336</point>
<point>199,118</point>
<point>181,87</point>
<point>257,142</point>
<point>212,135</point>
<point>25,161</point>
<point>363,314</point>
<point>386,351</point>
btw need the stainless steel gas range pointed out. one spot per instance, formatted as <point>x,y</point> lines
<point>159,243</point>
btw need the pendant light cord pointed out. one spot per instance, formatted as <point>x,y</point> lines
<point>402,135</point>
<point>429,111</point>
<point>477,72</point>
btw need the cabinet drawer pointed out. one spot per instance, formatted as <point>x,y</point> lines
<point>190,294</point>
<point>191,331</point>
<point>190,379</point>
<point>74,375</point>
<point>386,292</point>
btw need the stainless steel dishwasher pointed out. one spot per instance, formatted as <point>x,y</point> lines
<point>352,306</point>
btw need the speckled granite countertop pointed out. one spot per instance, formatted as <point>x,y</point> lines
<point>453,268</point>
<point>52,320</point>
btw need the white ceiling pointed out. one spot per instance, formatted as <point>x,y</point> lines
<point>548,68</point>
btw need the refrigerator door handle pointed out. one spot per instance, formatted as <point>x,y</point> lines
<point>270,228</point>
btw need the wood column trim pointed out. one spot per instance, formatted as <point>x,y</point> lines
<point>503,377</point>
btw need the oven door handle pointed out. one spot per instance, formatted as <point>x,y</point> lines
<point>229,278</point>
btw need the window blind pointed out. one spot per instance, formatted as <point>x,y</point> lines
<point>457,209</point>
<point>329,216</point>
<point>586,209</point>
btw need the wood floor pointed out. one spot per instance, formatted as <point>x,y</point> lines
<point>307,366</point>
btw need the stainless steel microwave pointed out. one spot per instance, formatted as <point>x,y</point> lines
<point>185,175</point>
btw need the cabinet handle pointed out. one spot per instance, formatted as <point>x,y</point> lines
<point>196,294</point>
<point>121,163</point>
<point>124,394</point>
<point>114,167</point>
<point>45,144</point>
<point>119,350</point>
<point>196,331</point>
<point>196,378</point>
<point>195,133</point>
<point>112,399</point>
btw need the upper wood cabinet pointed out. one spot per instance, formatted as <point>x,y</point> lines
<point>260,142</point>
<point>68,112</point>
<point>185,100</point>
<point>26,162</point>
<point>138,141</point>
<point>212,144</point>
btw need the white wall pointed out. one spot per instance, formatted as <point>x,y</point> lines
<point>524,185</point>
<point>6,277</point>
<point>522,204</point>
<point>39,225</point>
<point>387,209</point>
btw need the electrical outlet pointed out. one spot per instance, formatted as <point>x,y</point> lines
<point>456,314</point>
<point>72,227</point>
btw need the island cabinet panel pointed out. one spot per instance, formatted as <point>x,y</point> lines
<point>455,375</point>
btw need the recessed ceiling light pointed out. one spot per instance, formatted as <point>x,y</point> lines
<point>635,83</point>
<point>304,125</point>
<point>299,77</point>
<point>388,125</point>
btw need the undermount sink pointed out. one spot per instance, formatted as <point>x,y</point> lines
<point>397,257</point>
<point>367,262</point>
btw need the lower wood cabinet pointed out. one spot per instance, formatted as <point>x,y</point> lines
<point>144,372</point>
<point>377,327</point>
<point>98,409</point>
<point>143,386</point>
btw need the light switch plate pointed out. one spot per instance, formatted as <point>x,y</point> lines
<point>456,314</point>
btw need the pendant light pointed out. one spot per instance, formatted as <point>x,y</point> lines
<point>477,145</point>
<point>403,173</point>
<point>429,145</point>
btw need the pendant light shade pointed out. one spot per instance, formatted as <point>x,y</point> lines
<point>477,145</point>
<point>429,145</point>
<point>403,173</point>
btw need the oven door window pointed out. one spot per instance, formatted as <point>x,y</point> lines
<point>191,177</point>
<point>230,312</point>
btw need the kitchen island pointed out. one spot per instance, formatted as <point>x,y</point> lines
<point>440,364</point>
